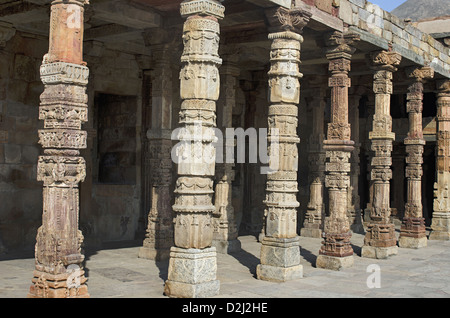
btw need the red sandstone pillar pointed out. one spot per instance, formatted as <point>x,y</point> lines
<point>336,251</point>
<point>63,108</point>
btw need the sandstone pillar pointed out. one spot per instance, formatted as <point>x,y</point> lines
<point>440,224</point>
<point>353,199</point>
<point>315,213</point>
<point>159,237</point>
<point>225,236</point>
<point>380,240</point>
<point>58,272</point>
<point>280,251</point>
<point>336,251</point>
<point>192,266</point>
<point>412,233</point>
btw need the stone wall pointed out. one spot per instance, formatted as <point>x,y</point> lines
<point>110,196</point>
<point>382,28</point>
<point>20,193</point>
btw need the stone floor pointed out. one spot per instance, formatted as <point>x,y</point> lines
<point>119,273</point>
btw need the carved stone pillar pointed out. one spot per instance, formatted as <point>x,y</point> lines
<point>440,224</point>
<point>336,251</point>
<point>412,233</point>
<point>280,252</point>
<point>370,108</point>
<point>225,236</point>
<point>354,208</point>
<point>315,213</point>
<point>380,240</point>
<point>159,236</point>
<point>63,108</point>
<point>192,266</point>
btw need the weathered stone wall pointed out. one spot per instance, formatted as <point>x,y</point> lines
<point>110,203</point>
<point>381,28</point>
<point>20,193</point>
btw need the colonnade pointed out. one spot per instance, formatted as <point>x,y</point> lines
<point>203,223</point>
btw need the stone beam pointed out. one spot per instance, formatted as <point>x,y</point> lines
<point>125,13</point>
<point>23,12</point>
<point>271,3</point>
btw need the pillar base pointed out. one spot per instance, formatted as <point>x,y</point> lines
<point>279,274</point>
<point>192,273</point>
<point>153,253</point>
<point>280,259</point>
<point>45,285</point>
<point>439,236</point>
<point>412,242</point>
<point>333,262</point>
<point>227,247</point>
<point>440,226</point>
<point>378,252</point>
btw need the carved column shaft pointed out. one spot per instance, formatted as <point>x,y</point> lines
<point>63,109</point>
<point>313,223</point>
<point>440,226</point>
<point>336,251</point>
<point>354,209</point>
<point>413,234</point>
<point>224,220</point>
<point>380,240</point>
<point>159,236</point>
<point>192,267</point>
<point>280,254</point>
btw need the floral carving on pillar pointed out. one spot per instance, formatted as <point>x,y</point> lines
<point>58,271</point>
<point>380,240</point>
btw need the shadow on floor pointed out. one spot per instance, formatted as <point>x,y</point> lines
<point>247,259</point>
<point>308,256</point>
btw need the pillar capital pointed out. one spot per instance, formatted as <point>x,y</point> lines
<point>341,45</point>
<point>384,60</point>
<point>212,8</point>
<point>293,19</point>
<point>443,86</point>
<point>419,73</point>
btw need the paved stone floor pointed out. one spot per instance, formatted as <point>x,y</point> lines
<point>119,273</point>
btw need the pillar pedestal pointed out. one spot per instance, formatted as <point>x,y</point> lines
<point>192,273</point>
<point>280,260</point>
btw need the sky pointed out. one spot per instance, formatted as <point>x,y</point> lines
<point>387,5</point>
